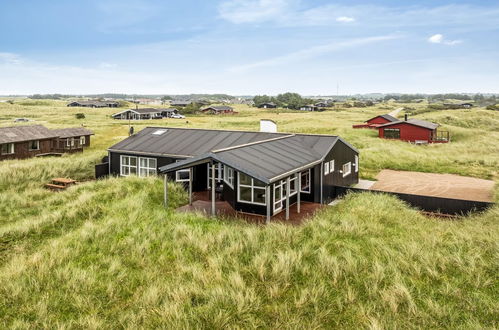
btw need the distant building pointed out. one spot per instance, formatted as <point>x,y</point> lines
<point>322,104</point>
<point>94,104</point>
<point>145,114</point>
<point>310,107</point>
<point>180,103</point>
<point>413,130</point>
<point>458,105</point>
<point>20,142</point>
<point>218,110</point>
<point>267,105</point>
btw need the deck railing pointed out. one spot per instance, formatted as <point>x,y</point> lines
<point>441,136</point>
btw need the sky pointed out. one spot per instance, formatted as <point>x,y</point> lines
<point>247,47</point>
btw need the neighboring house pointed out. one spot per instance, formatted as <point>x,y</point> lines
<point>144,114</point>
<point>20,142</point>
<point>377,121</point>
<point>269,105</point>
<point>72,139</point>
<point>458,105</point>
<point>310,107</point>
<point>218,110</point>
<point>413,130</point>
<point>321,105</point>
<point>251,170</point>
<point>94,104</point>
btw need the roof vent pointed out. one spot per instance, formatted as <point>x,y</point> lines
<point>268,126</point>
<point>159,132</point>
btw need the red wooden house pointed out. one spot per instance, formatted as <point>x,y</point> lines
<point>413,130</point>
<point>377,121</point>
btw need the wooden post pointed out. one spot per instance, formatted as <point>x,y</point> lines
<point>213,211</point>
<point>298,193</point>
<point>190,185</point>
<point>267,200</point>
<point>165,196</point>
<point>287,198</point>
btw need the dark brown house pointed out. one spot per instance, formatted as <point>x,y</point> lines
<point>71,139</point>
<point>21,142</point>
<point>218,110</point>
<point>94,104</point>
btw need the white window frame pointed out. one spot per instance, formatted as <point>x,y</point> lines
<point>229,176</point>
<point>309,172</point>
<point>331,166</point>
<point>150,170</point>
<point>10,147</point>
<point>252,187</point>
<point>326,168</point>
<point>37,145</point>
<point>122,165</point>
<point>177,173</point>
<point>356,163</point>
<point>349,167</point>
<point>82,140</point>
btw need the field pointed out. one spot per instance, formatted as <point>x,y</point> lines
<point>106,254</point>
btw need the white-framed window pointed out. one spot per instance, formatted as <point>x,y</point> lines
<point>326,168</point>
<point>356,163</point>
<point>347,169</point>
<point>147,166</point>
<point>250,190</point>
<point>128,165</point>
<point>82,140</point>
<point>305,181</point>
<point>7,149</point>
<point>331,166</point>
<point>182,175</point>
<point>229,176</point>
<point>34,145</point>
<point>219,173</point>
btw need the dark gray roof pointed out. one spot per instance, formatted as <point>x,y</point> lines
<point>187,142</point>
<point>25,133</point>
<point>180,103</point>
<point>94,103</point>
<point>218,108</point>
<point>71,132</point>
<point>269,160</point>
<point>387,117</point>
<point>415,122</point>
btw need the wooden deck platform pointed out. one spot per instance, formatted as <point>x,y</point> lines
<point>201,203</point>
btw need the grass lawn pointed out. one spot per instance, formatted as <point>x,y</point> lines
<point>106,254</point>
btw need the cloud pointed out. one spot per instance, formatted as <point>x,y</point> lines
<point>254,11</point>
<point>311,52</point>
<point>10,58</point>
<point>440,39</point>
<point>345,19</point>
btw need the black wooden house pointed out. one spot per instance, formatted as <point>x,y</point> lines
<point>255,172</point>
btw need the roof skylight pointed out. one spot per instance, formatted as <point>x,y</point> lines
<point>159,132</point>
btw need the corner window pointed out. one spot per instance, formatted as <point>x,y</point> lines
<point>391,133</point>
<point>218,173</point>
<point>128,165</point>
<point>326,168</point>
<point>347,169</point>
<point>82,140</point>
<point>305,181</point>
<point>331,166</point>
<point>356,163</point>
<point>7,149</point>
<point>250,190</point>
<point>147,166</point>
<point>34,145</point>
<point>229,176</point>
